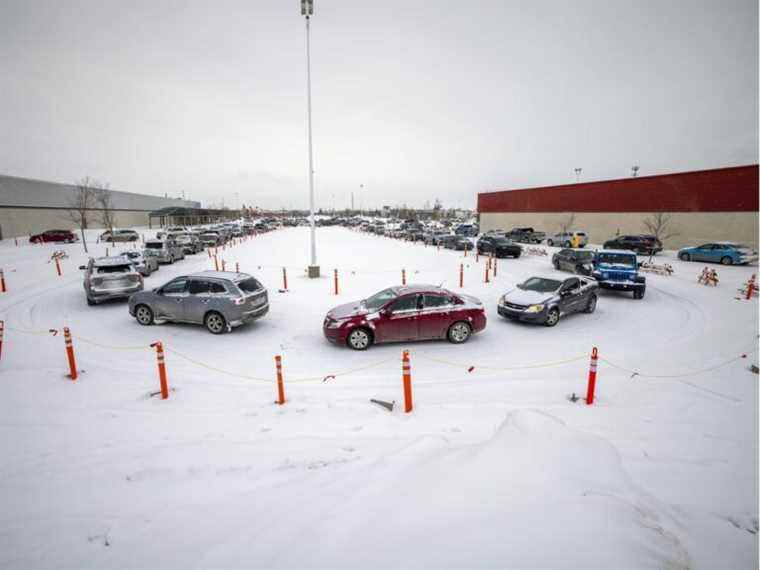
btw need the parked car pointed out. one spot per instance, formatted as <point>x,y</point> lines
<point>565,239</point>
<point>412,312</point>
<point>544,300</point>
<point>48,236</point>
<point>448,241</point>
<point>461,243</point>
<point>526,235</point>
<point>211,239</point>
<point>190,243</point>
<point>499,246</point>
<point>619,270</point>
<point>575,260</point>
<point>112,277</point>
<point>119,236</point>
<point>166,251</point>
<point>642,244</point>
<point>432,238</point>
<point>145,264</point>
<point>415,235</point>
<point>219,300</point>
<point>467,230</point>
<point>727,253</point>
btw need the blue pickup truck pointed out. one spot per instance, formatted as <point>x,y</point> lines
<point>619,270</point>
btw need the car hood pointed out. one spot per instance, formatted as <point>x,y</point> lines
<point>347,310</point>
<point>523,297</point>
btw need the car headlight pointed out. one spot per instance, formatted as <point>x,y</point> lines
<point>502,300</point>
<point>534,309</point>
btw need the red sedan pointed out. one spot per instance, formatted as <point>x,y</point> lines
<point>414,312</point>
<point>54,236</point>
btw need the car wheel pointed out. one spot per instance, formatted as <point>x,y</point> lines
<point>684,257</point>
<point>550,242</point>
<point>638,293</point>
<point>215,323</point>
<point>556,265</point>
<point>591,306</point>
<point>459,332</point>
<point>726,260</point>
<point>359,339</point>
<point>144,315</point>
<point>552,318</point>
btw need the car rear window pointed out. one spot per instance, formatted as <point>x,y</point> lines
<point>154,245</point>
<point>249,285</point>
<point>114,269</point>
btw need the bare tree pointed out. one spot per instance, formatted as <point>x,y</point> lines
<point>659,224</point>
<point>104,200</point>
<point>81,204</point>
<point>567,224</point>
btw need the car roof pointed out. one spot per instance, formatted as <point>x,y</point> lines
<point>229,275</point>
<point>417,288</point>
<point>625,251</point>
<point>111,260</point>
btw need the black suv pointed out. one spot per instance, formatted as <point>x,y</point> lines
<point>499,246</point>
<point>641,244</point>
<point>576,260</point>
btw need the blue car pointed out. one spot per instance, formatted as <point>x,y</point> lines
<point>727,253</point>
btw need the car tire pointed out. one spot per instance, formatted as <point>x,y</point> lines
<point>552,317</point>
<point>684,257</point>
<point>591,306</point>
<point>215,322</point>
<point>359,338</point>
<point>726,260</point>
<point>638,293</point>
<point>144,315</point>
<point>91,302</point>
<point>459,332</point>
<point>556,265</point>
<point>550,242</point>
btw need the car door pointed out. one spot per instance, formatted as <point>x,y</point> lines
<point>170,302</point>
<point>197,302</point>
<point>435,315</point>
<point>570,295</point>
<point>702,253</point>
<point>401,320</point>
<point>717,252</point>
<point>567,259</point>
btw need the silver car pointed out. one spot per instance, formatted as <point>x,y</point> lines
<point>145,264</point>
<point>165,250</point>
<point>219,300</point>
<point>110,278</point>
<point>565,239</point>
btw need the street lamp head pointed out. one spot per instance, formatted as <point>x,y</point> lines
<point>307,7</point>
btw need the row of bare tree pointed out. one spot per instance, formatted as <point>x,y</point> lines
<point>91,202</point>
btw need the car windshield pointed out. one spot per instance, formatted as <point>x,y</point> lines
<point>249,285</point>
<point>379,299</point>
<point>114,269</point>
<point>621,259</point>
<point>155,245</point>
<point>540,285</point>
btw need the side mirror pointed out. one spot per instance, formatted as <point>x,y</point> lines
<point>82,267</point>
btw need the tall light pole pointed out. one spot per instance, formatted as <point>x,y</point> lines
<point>307,10</point>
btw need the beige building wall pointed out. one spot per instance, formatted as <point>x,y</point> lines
<point>691,228</point>
<point>17,222</point>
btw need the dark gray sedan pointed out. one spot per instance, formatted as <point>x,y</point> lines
<point>543,299</point>
<point>219,300</point>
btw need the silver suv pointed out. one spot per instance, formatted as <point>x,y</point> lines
<point>110,278</point>
<point>165,250</point>
<point>219,300</point>
<point>565,239</point>
<point>145,264</point>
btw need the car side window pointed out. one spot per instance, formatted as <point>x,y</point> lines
<point>435,301</point>
<point>176,287</point>
<point>572,284</point>
<point>216,288</point>
<point>407,303</point>
<point>198,287</point>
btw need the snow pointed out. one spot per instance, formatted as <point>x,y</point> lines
<point>495,467</point>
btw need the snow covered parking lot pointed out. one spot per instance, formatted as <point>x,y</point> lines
<point>495,465</point>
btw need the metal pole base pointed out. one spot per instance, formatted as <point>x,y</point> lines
<point>313,271</point>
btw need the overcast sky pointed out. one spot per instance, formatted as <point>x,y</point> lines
<point>414,99</point>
